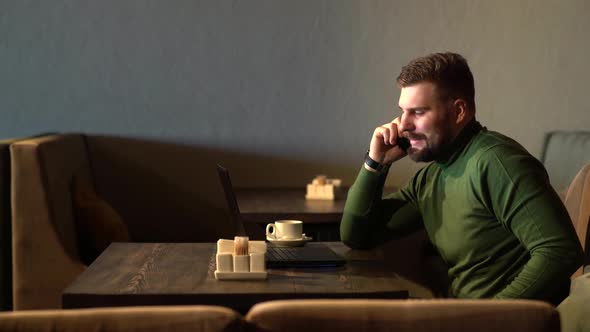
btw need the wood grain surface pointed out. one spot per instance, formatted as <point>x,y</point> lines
<point>182,273</point>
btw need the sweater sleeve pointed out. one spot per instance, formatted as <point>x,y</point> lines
<point>521,197</point>
<point>369,220</point>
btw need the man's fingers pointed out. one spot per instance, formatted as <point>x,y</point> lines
<point>390,133</point>
<point>386,134</point>
<point>384,141</point>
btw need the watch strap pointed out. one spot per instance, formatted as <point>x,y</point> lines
<point>374,164</point>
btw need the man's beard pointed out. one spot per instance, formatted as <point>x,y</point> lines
<point>434,148</point>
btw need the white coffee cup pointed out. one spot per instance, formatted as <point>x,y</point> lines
<point>285,230</point>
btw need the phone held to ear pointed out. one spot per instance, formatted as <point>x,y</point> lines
<point>403,143</point>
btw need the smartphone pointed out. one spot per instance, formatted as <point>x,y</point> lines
<point>403,143</point>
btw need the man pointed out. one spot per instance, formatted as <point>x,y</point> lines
<point>485,202</point>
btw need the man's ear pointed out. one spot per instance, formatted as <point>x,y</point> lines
<point>460,109</point>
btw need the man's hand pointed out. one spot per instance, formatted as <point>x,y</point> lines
<point>384,148</point>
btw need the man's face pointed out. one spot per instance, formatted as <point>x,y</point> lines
<point>427,121</point>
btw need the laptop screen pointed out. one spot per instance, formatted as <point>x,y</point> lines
<point>231,200</point>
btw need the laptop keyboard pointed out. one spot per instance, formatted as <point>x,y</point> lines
<point>281,254</point>
<point>308,256</point>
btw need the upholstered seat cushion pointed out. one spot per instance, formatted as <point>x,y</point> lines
<point>156,318</point>
<point>404,315</point>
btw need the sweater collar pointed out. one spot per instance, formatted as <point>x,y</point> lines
<point>455,148</point>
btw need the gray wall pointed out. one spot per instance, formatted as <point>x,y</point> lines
<point>301,81</point>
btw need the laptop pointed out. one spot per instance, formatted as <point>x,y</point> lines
<point>316,255</point>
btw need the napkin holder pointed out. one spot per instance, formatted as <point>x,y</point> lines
<point>246,267</point>
<point>324,188</point>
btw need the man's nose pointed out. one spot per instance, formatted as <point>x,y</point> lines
<point>405,123</point>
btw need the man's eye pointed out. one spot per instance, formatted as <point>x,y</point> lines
<point>418,112</point>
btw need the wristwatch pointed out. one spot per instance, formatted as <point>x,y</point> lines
<point>375,164</point>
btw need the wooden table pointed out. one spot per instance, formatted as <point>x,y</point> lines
<point>182,273</point>
<point>267,205</point>
<point>321,218</point>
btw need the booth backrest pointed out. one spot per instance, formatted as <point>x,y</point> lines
<point>164,192</point>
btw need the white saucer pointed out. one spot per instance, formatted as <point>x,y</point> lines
<point>289,243</point>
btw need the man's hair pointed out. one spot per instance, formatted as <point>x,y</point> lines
<point>448,71</point>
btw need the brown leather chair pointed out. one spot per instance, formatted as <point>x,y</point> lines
<point>574,309</point>
<point>577,202</point>
<point>121,319</point>
<point>404,315</point>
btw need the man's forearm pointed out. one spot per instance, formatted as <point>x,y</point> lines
<point>356,224</point>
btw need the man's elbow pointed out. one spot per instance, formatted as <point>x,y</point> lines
<point>354,244</point>
<point>354,233</point>
<point>354,241</point>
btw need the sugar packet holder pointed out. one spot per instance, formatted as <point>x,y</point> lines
<point>240,267</point>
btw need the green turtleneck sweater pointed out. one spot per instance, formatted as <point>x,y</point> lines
<point>488,209</point>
